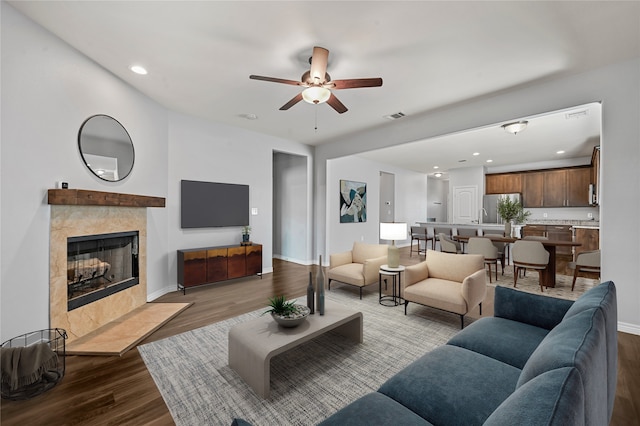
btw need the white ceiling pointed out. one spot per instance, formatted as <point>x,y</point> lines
<point>430,54</point>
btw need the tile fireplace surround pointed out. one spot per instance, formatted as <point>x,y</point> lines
<point>71,217</point>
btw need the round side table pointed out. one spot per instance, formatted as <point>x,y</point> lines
<point>395,274</point>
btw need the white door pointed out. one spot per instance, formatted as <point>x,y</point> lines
<point>465,204</point>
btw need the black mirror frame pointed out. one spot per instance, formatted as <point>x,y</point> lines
<point>82,154</point>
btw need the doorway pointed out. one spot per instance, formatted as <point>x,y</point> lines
<point>387,197</point>
<point>291,208</point>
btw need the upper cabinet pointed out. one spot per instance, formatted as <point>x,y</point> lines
<point>503,183</point>
<point>565,187</point>
<point>557,188</point>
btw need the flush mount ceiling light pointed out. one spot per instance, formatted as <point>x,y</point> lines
<point>138,69</point>
<point>316,95</point>
<point>438,174</point>
<point>515,127</point>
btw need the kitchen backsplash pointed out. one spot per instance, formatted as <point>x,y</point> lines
<point>578,214</point>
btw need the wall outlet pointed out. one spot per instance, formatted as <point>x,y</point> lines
<point>254,211</point>
<point>590,215</point>
<point>544,215</point>
<point>361,237</point>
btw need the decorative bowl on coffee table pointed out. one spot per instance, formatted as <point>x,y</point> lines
<point>292,319</point>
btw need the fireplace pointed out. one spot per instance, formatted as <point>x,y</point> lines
<point>100,265</point>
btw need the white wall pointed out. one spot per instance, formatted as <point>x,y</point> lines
<point>48,90</point>
<point>617,87</point>
<point>409,207</point>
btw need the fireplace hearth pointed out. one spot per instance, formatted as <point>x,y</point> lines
<point>100,265</point>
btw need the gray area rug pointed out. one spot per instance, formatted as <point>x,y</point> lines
<point>308,383</point>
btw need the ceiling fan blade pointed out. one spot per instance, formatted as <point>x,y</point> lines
<point>297,98</point>
<point>336,104</point>
<point>355,83</point>
<point>319,64</point>
<point>275,80</point>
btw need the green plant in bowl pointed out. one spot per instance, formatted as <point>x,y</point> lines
<point>287,313</point>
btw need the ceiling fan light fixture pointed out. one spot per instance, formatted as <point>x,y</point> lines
<point>515,127</point>
<point>316,94</point>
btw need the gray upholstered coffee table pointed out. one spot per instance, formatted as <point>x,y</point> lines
<point>252,344</point>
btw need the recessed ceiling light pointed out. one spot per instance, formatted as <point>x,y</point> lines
<point>138,69</point>
<point>476,153</point>
<point>560,152</point>
<point>436,167</point>
<point>249,116</point>
<point>438,174</point>
<point>489,161</point>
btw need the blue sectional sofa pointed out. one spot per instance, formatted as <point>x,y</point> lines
<point>538,361</point>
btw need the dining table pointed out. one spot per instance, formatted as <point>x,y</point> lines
<point>549,273</point>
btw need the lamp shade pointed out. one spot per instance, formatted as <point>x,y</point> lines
<point>316,94</point>
<point>393,231</point>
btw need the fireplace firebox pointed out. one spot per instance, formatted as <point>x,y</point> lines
<point>100,265</point>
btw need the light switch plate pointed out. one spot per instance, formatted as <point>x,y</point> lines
<point>254,211</point>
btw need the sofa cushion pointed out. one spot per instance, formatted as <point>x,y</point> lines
<point>533,309</point>
<point>508,341</point>
<point>554,398</point>
<point>374,409</point>
<point>578,341</point>
<point>603,297</point>
<point>363,251</point>
<point>452,386</point>
<point>453,267</point>
<point>438,293</point>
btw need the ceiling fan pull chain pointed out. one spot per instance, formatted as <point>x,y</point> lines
<point>316,127</point>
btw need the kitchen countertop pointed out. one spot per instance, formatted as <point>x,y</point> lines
<point>575,223</point>
<point>587,224</point>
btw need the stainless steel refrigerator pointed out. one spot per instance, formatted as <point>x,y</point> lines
<point>490,207</point>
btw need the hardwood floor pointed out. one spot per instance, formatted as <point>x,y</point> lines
<point>120,391</point>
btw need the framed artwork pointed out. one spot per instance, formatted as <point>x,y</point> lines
<point>353,201</point>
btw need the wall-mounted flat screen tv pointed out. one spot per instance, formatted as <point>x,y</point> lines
<point>212,204</point>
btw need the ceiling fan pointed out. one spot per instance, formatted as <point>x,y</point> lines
<point>318,83</point>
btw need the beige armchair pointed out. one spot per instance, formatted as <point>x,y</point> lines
<point>359,266</point>
<point>452,282</point>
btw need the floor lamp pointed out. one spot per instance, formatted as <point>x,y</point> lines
<point>393,231</point>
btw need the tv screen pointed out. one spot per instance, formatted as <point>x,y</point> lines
<point>210,204</point>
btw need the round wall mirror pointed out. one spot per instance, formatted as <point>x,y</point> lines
<point>106,148</point>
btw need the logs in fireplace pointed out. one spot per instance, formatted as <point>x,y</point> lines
<point>100,265</point>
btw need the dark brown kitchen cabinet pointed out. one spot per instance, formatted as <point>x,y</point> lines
<point>589,238</point>
<point>578,181</point>
<point>213,264</point>
<point>533,189</point>
<point>557,188</point>
<point>503,183</point>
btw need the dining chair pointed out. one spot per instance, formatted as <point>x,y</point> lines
<point>446,231</point>
<point>447,245</point>
<point>586,261</point>
<point>466,233</point>
<point>503,248</point>
<point>485,247</point>
<point>529,254</point>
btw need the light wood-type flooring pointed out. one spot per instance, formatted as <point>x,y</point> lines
<point>110,390</point>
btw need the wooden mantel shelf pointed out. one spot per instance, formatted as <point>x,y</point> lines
<point>82,197</point>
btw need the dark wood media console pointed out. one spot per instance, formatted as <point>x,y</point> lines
<point>208,265</point>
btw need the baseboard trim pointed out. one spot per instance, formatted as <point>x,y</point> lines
<point>629,328</point>
<point>293,260</point>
